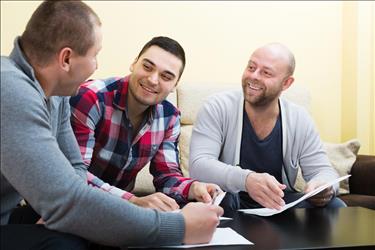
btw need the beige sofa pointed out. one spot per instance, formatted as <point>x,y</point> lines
<point>190,97</point>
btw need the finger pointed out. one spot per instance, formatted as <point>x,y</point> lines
<point>168,202</point>
<point>275,187</point>
<point>310,187</point>
<point>202,194</point>
<point>217,209</point>
<point>268,200</point>
<point>275,194</point>
<point>214,188</point>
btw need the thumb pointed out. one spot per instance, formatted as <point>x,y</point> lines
<point>311,186</point>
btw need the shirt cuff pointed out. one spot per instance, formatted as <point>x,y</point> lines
<point>127,195</point>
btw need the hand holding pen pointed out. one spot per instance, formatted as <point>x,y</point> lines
<point>204,192</point>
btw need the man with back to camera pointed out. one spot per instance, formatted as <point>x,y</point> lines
<point>123,123</point>
<point>251,143</point>
<point>40,159</point>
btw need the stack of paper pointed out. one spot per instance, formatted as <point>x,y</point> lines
<point>269,211</point>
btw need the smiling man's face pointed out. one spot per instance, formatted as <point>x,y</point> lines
<point>153,76</point>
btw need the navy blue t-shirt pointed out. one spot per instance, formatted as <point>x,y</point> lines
<point>261,156</point>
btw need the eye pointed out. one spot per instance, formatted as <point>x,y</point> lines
<point>166,77</point>
<point>267,73</point>
<point>251,68</point>
<point>147,67</point>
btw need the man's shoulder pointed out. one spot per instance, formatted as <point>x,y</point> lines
<point>102,85</point>
<point>168,108</point>
<point>9,68</point>
<point>15,82</point>
<point>225,99</point>
<point>292,107</point>
<point>92,91</point>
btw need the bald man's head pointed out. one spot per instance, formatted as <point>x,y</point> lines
<point>279,52</point>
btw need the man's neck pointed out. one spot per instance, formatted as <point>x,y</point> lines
<point>136,111</point>
<point>263,118</point>
<point>46,80</point>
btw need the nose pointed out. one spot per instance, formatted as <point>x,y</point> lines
<point>153,78</point>
<point>255,74</point>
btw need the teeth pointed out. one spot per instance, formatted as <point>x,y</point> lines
<point>253,87</point>
<point>148,89</point>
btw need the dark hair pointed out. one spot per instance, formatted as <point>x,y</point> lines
<point>58,24</point>
<point>167,44</point>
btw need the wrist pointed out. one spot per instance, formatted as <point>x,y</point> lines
<point>191,195</point>
<point>133,199</point>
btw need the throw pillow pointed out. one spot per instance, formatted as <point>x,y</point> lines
<point>342,156</point>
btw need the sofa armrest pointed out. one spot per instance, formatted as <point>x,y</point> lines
<point>363,175</point>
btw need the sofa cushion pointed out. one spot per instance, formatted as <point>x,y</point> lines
<point>342,156</point>
<point>355,200</point>
<point>184,148</point>
<point>363,176</point>
<point>190,98</point>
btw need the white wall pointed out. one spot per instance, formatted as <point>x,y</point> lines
<point>219,36</point>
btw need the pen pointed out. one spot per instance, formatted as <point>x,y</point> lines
<point>216,193</point>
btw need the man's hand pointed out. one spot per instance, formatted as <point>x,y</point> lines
<point>203,192</point>
<point>40,221</point>
<point>265,189</point>
<point>320,199</point>
<point>201,221</point>
<point>157,201</point>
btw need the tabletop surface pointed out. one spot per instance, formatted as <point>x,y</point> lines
<point>314,228</point>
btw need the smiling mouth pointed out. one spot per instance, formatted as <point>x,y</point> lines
<point>148,89</point>
<point>253,87</point>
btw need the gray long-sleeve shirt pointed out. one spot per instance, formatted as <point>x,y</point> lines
<point>216,141</point>
<point>40,161</point>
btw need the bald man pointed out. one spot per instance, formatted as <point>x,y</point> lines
<point>251,142</point>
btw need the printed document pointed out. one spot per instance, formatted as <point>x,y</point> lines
<point>222,237</point>
<point>269,211</point>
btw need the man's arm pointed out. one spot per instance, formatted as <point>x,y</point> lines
<point>66,139</point>
<point>206,144</point>
<point>315,165</point>
<point>85,115</point>
<point>33,163</point>
<point>313,159</point>
<point>165,165</point>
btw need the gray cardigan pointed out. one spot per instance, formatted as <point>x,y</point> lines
<point>216,140</point>
<point>40,161</point>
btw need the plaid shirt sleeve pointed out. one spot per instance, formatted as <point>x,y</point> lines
<point>165,165</point>
<point>85,115</point>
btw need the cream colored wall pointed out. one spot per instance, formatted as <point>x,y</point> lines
<point>218,38</point>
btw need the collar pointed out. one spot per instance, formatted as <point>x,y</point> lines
<point>20,60</point>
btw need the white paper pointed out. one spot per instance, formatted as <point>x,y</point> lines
<point>217,200</point>
<point>225,218</point>
<point>222,237</point>
<point>269,211</point>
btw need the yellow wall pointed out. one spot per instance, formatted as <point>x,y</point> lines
<point>333,43</point>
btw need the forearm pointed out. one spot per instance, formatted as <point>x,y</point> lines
<point>97,182</point>
<point>229,178</point>
<point>42,174</point>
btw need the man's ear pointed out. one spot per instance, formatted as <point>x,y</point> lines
<point>288,82</point>
<point>65,58</point>
<point>173,89</point>
<point>131,68</point>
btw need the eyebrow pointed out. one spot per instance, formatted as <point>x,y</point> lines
<point>153,64</point>
<point>264,67</point>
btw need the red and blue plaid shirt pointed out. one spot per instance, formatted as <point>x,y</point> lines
<point>104,134</point>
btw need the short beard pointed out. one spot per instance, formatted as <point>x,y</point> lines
<point>139,100</point>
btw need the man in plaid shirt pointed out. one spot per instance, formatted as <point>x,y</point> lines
<point>121,124</point>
